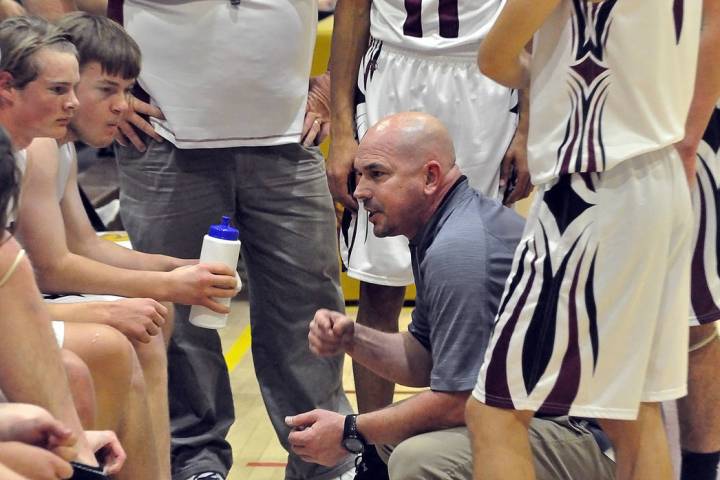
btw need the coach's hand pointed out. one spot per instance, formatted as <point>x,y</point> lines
<point>331,333</point>
<point>132,120</point>
<point>316,436</point>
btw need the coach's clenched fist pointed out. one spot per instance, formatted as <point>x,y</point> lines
<point>331,333</point>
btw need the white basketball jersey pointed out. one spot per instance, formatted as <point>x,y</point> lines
<point>450,27</point>
<point>610,81</point>
<point>225,75</point>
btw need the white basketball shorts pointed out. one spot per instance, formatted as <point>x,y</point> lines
<point>591,321</point>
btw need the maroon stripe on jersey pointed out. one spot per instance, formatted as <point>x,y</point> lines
<point>449,21</point>
<point>539,342</point>
<point>497,390</point>
<point>701,298</point>
<point>568,381</point>
<point>413,22</point>
<point>592,311</point>
<point>678,14</point>
<point>115,10</point>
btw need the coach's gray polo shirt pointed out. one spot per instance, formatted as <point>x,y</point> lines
<point>460,260</point>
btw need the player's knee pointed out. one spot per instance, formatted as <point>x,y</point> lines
<point>152,355</point>
<point>81,387</point>
<point>626,436</point>
<point>113,350</point>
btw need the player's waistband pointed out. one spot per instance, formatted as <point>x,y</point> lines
<point>453,56</point>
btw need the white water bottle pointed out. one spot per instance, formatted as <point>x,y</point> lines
<point>222,245</point>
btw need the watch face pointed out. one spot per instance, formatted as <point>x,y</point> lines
<point>354,445</point>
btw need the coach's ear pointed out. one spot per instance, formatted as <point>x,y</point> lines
<point>7,90</point>
<point>432,176</point>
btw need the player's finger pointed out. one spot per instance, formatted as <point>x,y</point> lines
<point>148,109</point>
<point>312,133</point>
<point>310,118</point>
<point>129,132</point>
<point>215,306</point>
<point>505,168</point>
<point>522,188</point>
<point>324,132</point>
<point>144,126</point>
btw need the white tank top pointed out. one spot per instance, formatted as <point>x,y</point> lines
<point>224,75</point>
<point>67,155</point>
<point>21,163</point>
<point>610,81</point>
<point>447,27</point>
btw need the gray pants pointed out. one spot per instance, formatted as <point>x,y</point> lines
<point>562,451</point>
<point>279,199</point>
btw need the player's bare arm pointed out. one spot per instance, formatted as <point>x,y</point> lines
<point>54,9</point>
<point>502,55</point>
<point>707,87</point>
<point>350,38</point>
<point>10,8</point>
<point>60,270</point>
<point>82,239</point>
<point>50,9</point>
<point>514,171</point>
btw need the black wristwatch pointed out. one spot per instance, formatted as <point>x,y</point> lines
<point>352,440</point>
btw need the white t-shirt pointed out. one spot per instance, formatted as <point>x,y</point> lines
<point>610,81</point>
<point>447,27</point>
<point>224,75</point>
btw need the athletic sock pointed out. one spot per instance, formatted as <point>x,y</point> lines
<point>699,466</point>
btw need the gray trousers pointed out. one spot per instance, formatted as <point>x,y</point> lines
<point>279,199</point>
<point>561,450</point>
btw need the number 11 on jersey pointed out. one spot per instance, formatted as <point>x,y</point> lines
<point>447,11</point>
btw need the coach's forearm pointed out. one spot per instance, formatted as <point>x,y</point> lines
<point>425,412</point>
<point>398,357</point>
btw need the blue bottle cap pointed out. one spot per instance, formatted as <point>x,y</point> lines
<point>224,231</point>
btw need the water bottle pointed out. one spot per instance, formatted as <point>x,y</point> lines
<point>222,245</point>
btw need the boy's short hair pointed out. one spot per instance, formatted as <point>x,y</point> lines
<point>9,181</point>
<point>99,39</point>
<point>20,39</point>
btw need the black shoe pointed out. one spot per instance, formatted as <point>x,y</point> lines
<point>369,466</point>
